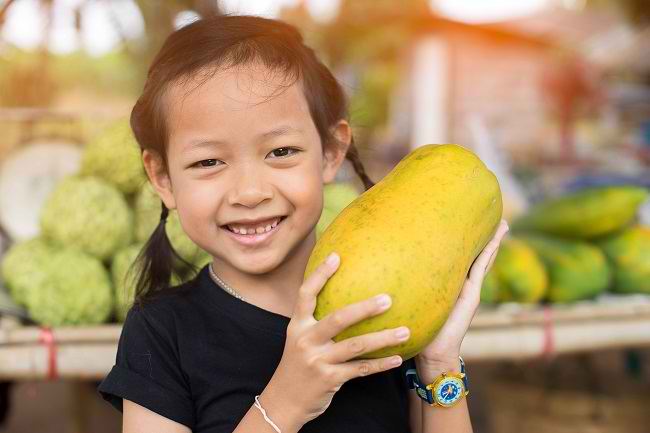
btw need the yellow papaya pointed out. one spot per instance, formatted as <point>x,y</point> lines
<point>585,214</point>
<point>414,235</point>
<point>520,272</point>
<point>629,253</point>
<point>576,269</point>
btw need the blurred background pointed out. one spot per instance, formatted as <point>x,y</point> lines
<point>553,95</point>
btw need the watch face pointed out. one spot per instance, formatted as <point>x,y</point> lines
<point>449,391</point>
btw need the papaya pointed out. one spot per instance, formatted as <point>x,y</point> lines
<point>336,196</point>
<point>629,254</point>
<point>585,214</point>
<point>576,269</point>
<point>520,273</point>
<point>414,236</point>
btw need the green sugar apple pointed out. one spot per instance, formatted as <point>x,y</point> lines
<point>114,155</point>
<point>89,214</point>
<point>147,217</point>
<point>21,267</point>
<point>74,288</point>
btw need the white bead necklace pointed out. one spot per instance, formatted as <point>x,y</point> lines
<point>221,283</point>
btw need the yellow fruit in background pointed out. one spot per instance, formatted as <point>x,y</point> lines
<point>520,272</point>
<point>629,254</point>
<point>414,236</point>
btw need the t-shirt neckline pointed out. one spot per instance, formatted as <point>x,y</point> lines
<point>240,310</point>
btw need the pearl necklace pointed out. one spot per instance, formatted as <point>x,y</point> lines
<point>221,283</point>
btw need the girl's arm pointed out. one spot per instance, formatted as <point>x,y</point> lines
<point>438,419</point>
<point>441,355</point>
<point>139,419</point>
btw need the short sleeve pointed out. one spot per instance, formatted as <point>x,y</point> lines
<point>147,369</point>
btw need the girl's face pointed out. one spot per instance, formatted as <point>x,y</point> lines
<point>242,147</point>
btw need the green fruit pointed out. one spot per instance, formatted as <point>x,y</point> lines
<point>585,214</point>
<point>74,289</point>
<point>336,197</point>
<point>414,236</point>
<point>629,253</point>
<point>576,269</point>
<point>21,265</point>
<point>114,155</point>
<point>124,274</point>
<point>89,214</point>
<point>147,218</point>
<point>520,272</point>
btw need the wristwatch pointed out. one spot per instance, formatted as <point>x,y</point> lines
<point>446,390</point>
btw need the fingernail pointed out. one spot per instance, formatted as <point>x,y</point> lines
<point>383,300</point>
<point>332,259</point>
<point>402,333</point>
<point>396,361</point>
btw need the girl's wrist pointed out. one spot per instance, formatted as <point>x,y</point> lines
<point>429,369</point>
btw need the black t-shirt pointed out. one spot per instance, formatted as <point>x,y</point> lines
<point>197,355</point>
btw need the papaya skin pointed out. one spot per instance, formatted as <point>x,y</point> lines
<point>586,214</point>
<point>414,236</point>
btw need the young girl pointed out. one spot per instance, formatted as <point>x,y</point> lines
<point>240,125</point>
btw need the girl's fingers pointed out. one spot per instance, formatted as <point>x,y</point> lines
<point>469,298</point>
<point>479,266</point>
<point>306,303</point>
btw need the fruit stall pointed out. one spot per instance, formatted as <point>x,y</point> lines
<point>507,332</point>
<point>572,277</point>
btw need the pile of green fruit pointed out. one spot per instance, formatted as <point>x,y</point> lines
<point>574,247</point>
<point>93,226</point>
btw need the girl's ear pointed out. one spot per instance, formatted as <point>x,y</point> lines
<point>159,178</point>
<point>335,155</point>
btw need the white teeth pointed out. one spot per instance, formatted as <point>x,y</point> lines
<point>257,230</point>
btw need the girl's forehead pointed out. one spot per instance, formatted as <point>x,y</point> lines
<point>235,101</point>
<point>240,85</point>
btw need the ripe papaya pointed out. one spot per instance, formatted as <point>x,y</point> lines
<point>585,214</point>
<point>520,272</point>
<point>413,236</point>
<point>576,269</point>
<point>629,254</point>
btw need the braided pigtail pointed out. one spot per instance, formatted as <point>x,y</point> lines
<point>155,261</point>
<point>353,156</point>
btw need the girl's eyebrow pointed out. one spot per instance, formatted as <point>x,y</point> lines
<point>276,132</point>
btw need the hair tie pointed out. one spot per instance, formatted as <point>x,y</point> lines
<point>164,213</point>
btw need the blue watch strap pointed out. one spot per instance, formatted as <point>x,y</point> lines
<point>462,370</point>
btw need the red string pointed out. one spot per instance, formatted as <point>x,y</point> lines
<point>548,346</point>
<point>47,338</point>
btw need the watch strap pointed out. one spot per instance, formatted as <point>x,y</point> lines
<point>425,392</point>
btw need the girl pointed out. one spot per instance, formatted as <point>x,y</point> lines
<point>240,125</point>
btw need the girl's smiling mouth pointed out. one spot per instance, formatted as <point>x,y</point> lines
<point>253,238</point>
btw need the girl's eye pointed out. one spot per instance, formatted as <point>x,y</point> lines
<point>206,163</point>
<point>284,150</point>
<point>211,161</point>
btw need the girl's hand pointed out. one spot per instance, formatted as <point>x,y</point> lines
<point>442,353</point>
<point>314,367</point>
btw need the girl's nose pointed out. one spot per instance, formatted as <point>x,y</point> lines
<point>250,187</point>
